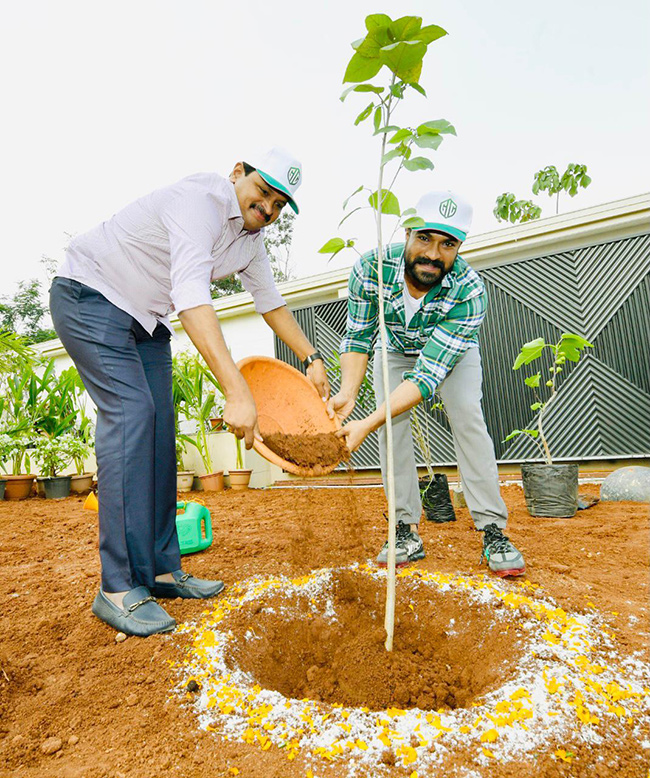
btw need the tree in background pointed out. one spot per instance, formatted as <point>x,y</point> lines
<point>277,241</point>
<point>509,208</point>
<point>24,312</point>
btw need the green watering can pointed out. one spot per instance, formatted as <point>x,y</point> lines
<point>191,525</point>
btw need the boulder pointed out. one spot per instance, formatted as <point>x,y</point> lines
<point>627,483</point>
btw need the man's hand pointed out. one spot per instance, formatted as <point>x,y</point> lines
<point>341,406</point>
<point>240,416</point>
<point>317,375</point>
<point>355,433</point>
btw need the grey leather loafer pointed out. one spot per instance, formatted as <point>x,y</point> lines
<point>188,587</point>
<point>140,615</point>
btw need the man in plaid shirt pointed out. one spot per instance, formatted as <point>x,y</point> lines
<point>434,303</point>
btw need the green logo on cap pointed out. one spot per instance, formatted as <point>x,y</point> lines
<point>293,175</point>
<point>448,208</point>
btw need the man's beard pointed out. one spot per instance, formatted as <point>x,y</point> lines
<point>424,271</point>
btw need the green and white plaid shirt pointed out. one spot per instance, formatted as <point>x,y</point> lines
<point>443,328</point>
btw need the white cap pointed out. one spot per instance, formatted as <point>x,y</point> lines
<point>281,170</point>
<point>446,212</point>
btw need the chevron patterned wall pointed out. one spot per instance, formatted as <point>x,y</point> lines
<point>602,408</point>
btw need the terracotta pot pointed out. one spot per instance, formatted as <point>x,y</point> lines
<point>239,479</point>
<point>287,402</point>
<point>184,479</point>
<point>212,482</point>
<point>18,487</point>
<point>217,424</point>
<point>80,484</point>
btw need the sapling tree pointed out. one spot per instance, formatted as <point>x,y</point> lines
<point>508,208</point>
<point>569,347</point>
<point>386,68</point>
<point>550,181</point>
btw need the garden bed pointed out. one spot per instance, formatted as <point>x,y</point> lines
<point>534,677</point>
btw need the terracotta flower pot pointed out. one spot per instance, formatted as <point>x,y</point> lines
<point>239,479</point>
<point>287,402</point>
<point>80,484</point>
<point>212,482</point>
<point>217,424</point>
<point>19,487</point>
<point>184,479</point>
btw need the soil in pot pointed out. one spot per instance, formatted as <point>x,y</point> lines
<point>324,448</point>
<point>551,491</point>
<point>436,500</point>
<point>19,487</point>
<point>212,482</point>
<point>184,479</point>
<point>57,488</point>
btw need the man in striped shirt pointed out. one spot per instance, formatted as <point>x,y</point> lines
<point>110,305</point>
<point>434,303</point>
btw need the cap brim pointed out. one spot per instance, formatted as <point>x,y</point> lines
<point>446,228</point>
<point>280,187</point>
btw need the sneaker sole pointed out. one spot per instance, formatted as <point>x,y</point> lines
<point>414,558</point>
<point>513,572</point>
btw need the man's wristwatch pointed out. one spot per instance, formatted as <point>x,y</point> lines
<point>311,358</point>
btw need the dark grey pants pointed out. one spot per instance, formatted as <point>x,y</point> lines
<point>461,394</point>
<point>128,375</point>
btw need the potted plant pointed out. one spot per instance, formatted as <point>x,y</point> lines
<point>550,489</point>
<point>82,481</point>
<point>184,477</point>
<point>54,455</point>
<point>434,488</point>
<point>197,404</point>
<point>239,477</point>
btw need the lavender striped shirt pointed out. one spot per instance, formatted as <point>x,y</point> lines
<point>159,254</point>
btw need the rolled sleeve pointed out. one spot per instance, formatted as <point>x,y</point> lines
<point>450,339</point>
<point>193,223</point>
<point>362,310</point>
<point>257,279</point>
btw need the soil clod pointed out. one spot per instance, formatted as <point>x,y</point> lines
<point>309,451</point>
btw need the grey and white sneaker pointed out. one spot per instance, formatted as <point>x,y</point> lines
<point>408,547</point>
<point>502,556</point>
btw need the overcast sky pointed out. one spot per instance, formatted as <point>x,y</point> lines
<point>103,102</point>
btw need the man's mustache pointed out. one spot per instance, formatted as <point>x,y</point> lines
<point>424,261</point>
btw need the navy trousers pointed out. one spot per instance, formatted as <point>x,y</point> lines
<point>128,375</point>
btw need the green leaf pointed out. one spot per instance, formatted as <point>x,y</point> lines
<point>533,380</point>
<point>418,163</point>
<point>571,345</point>
<point>405,28</point>
<point>419,89</point>
<point>430,33</point>
<point>361,88</point>
<point>364,114</point>
<point>535,406</point>
<point>401,135</point>
<point>428,141</point>
<point>529,352</point>
<point>347,200</point>
<point>387,128</point>
<point>391,155</point>
<point>361,69</point>
<point>389,203</point>
<point>402,57</point>
<point>376,22</point>
<point>437,127</point>
<point>409,212</point>
<point>413,223</point>
<point>514,433</point>
<point>376,119</point>
<point>333,245</point>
